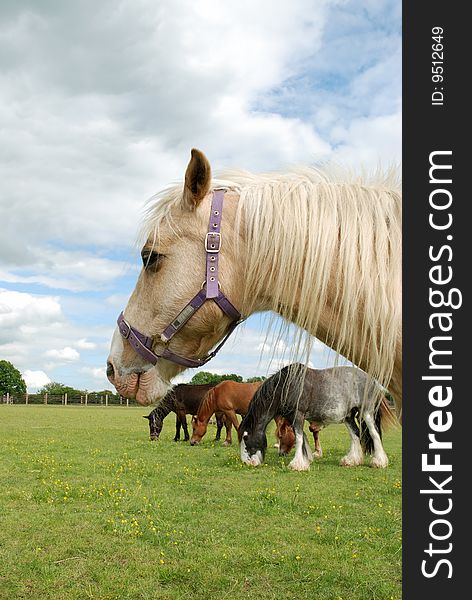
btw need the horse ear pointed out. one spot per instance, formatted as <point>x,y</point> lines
<point>197,179</point>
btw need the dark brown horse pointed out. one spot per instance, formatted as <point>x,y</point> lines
<point>229,397</point>
<point>184,399</point>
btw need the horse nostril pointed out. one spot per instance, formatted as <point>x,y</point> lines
<point>110,370</point>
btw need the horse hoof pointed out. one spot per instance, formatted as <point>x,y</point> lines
<point>299,465</point>
<point>349,462</point>
<point>318,454</point>
<point>225,443</point>
<point>379,463</point>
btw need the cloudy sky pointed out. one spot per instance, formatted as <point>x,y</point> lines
<point>100,103</point>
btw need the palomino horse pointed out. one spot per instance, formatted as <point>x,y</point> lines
<point>335,395</point>
<point>184,399</point>
<point>319,247</point>
<point>231,398</point>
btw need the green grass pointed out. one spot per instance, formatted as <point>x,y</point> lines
<point>89,508</point>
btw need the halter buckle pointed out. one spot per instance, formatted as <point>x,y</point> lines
<point>212,242</point>
<point>125,332</point>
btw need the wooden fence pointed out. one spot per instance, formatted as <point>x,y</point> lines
<point>90,399</point>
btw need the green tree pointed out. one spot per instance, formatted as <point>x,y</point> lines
<point>205,377</point>
<point>255,379</point>
<point>232,377</point>
<point>54,388</point>
<point>11,380</point>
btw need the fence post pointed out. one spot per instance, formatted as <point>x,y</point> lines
<point>8,397</point>
<point>26,398</point>
<point>46,398</point>
<point>65,399</point>
<point>121,399</point>
<point>86,399</point>
<point>106,399</point>
<point>127,402</point>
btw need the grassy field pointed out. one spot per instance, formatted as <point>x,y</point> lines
<point>89,508</point>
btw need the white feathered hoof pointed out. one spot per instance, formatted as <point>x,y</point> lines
<point>299,464</point>
<point>226,443</point>
<point>318,453</point>
<point>350,461</point>
<point>379,462</point>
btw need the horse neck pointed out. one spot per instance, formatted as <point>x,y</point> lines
<point>258,417</point>
<point>166,406</point>
<point>207,406</point>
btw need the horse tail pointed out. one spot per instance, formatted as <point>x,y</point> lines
<point>388,418</point>
<point>366,439</point>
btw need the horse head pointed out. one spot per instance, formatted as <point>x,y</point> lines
<point>199,428</point>
<point>154,426</point>
<point>252,446</point>
<point>285,435</point>
<point>175,258</point>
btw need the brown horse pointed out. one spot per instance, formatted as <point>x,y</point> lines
<point>286,436</point>
<point>230,398</point>
<point>184,399</point>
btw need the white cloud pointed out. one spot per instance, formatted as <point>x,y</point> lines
<point>35,380</point>
<point>37,338</point>
<point>23,315</point>
<point>61,269</point>
<point>65,354</point>
<point>97,374</point>
<point>365,140</point>
<point>84,344</point>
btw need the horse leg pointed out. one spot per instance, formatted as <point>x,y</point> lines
<point>228,426</point>
<point>233,419</point>
<point>178,424</point>
<point>355,455</point>
<point>219,427</point>
<point>379,458</point>
<point>278,420</point>
<point>318,449</point>
<point>315,429</point>
<point>303,455</point>
<point>185,427</point>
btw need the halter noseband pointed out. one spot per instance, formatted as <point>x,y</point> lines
<point>210,291</point>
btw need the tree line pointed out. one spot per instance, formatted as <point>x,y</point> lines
<point>12,382</point>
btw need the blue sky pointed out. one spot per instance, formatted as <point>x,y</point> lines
<point>99,107</point>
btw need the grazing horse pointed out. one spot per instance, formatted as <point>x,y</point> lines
<point>318,246</point>
<point>184,399</point>
<point>335,395</point>
<point>231,398</point>
<point>286,437</point>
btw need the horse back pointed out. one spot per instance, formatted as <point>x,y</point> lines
<point>234,395</point>
<point>188,397</point>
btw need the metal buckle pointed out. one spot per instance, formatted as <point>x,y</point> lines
<point>123,332</point>
<point>212,250</point>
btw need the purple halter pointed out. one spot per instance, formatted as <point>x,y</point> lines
<point>210,291</point>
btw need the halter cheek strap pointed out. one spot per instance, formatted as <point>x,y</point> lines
<point>209,291</point>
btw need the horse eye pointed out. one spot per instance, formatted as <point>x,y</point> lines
<point>151,260</point>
